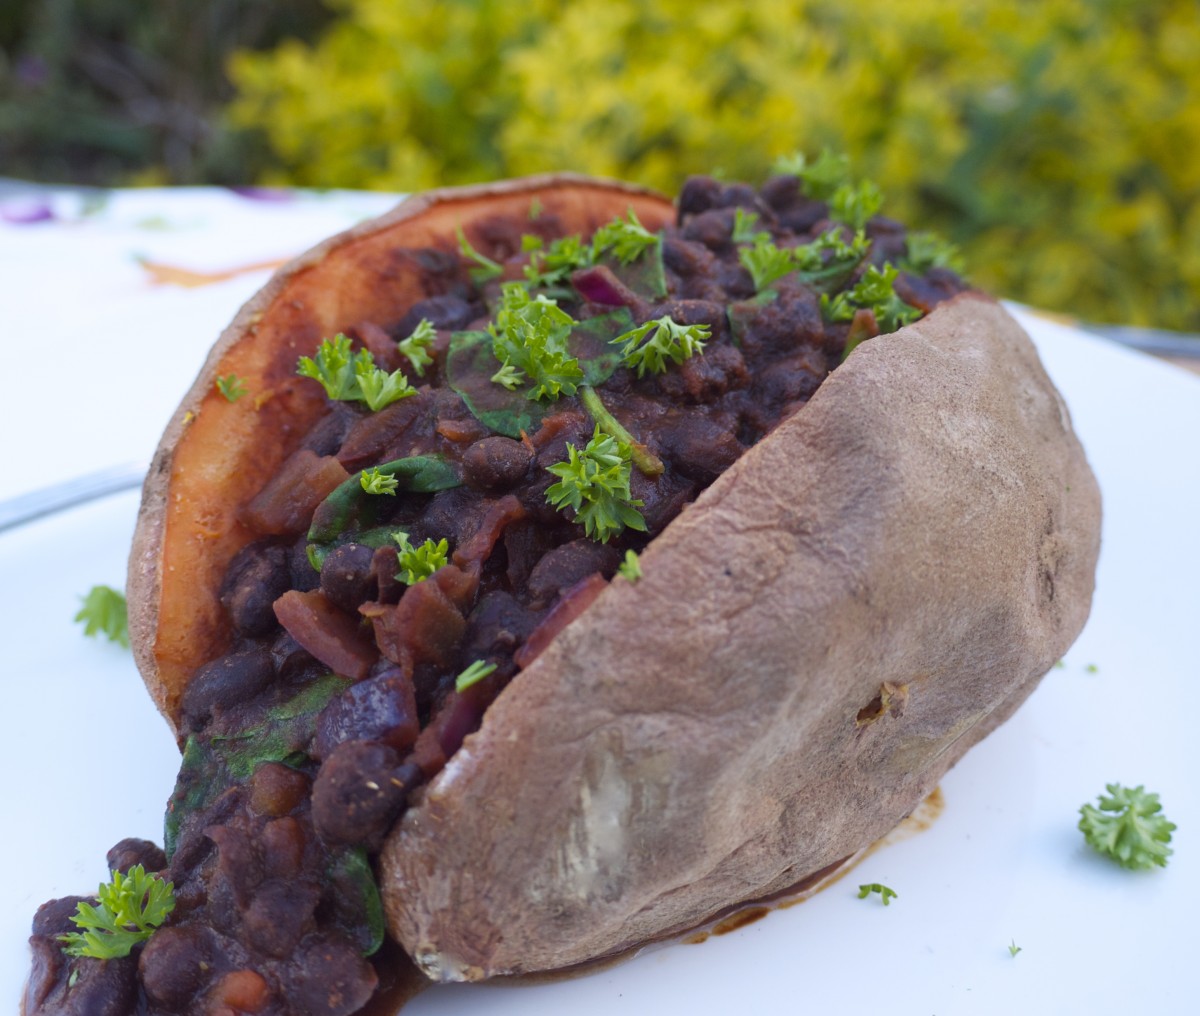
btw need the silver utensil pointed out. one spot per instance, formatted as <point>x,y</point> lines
<point>24,508</point>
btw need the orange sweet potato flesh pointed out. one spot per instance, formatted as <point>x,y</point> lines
<point>216,455</point>
<point>863,596</point>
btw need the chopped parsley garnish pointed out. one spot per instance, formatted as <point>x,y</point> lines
<point>594,483</point>
<point>128,910</point>
<point>375,482</point>
<point>854,204</point>
<point>554,265</point>
<point>230,386</point>
<point>416,346</point>
<point>928,250</point>
<point>627,239</point>
<point>529,339</point>
<point>822,178</point>
<point>475,673</point>
<point>631,567</point>
<point>104,612</point>
<point>418,563</point>
<point>1128,827</point>
<point>765,262</point>
<point>885,894</point>
<point>353,377</point>
<point>874,292</point>
<point>649,346</point>
<point>1013,948</point>
<point>745,227</point>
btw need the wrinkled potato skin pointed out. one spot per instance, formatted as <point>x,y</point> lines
<point>704,736</point>
<point>926,526</point>
<point>215,455</point>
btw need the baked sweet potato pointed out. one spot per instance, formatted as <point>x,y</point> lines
<point>858,599</point>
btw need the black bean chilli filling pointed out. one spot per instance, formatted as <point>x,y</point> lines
<point>487,464</point>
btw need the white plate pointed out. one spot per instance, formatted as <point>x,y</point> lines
<point>86,761</point>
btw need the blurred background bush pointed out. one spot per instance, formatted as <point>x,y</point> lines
<point>1053,140</point>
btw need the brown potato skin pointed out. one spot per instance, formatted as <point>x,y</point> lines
<point>927,524</point>
<point>215,455</point>
<point>927,520</point>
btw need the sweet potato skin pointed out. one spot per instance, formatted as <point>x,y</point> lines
<point>869,591</point>
<point>215,455</point>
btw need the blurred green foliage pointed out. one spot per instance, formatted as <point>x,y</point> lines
<point>107,91</point>
<point>1053,140</point>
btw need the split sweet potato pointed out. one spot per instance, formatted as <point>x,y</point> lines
<point>861,597</point>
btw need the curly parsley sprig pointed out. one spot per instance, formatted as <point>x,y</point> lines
<point>885,894</point>
<point>529,338</point>
<point>874,292</point>
<point>1128,827</point>
<point>416,346</point>
<point>128,910</point>
<point>347,376</point>
<point>649,346</point>
<point>417,563</point>
<point>594,483</point>
<point>104,612</point>
<point>626,238</point>
<point>484,268</point>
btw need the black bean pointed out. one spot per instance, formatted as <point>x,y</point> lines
<point>562,567</point>
<point>356,796</point>
<point>131,851</point>
<point>699,446</point>
<point>225,682</point>
<point>498,625</point>
<point>54,917</point>
<point>781,192</point>
<point>496,463</point>
<point>256,577</point>
<point>713,229</point>
<point>304,576</point>
<point>100,988</point>
<point>698,194</point>
<point>280,914</point>
<point>327,436</point>
<point>177,963</point>
<point>448,312</point>
<point>329,978</point>
<point>346,578</point>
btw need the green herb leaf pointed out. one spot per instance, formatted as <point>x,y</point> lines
<point>594,484</point>
<point>230,385</point>
<point>353,377</point>
<point>1013,949</point>
<point>485,268</point>
<point>631,567</point>
<point>104,612</point>
<point>651,345</point>
<point>128,910</point>
<point>744,227</point>
<point>875,292</point>
<point>530,336</point>
<point>627,239</point>
<point>855,205</point>
<point>375,482</point>
<point>928,250</point>
<point>379,388</point>
<point>822,179</point>
<point>335,368</point>
<point>555,265</point>
<point>416,346</point>
<point>1128,827</point>
<point>828,261</point>
<point>475,673</point>
<point>418,563</point>
<point>765,262</point>
<point>885,894</point>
